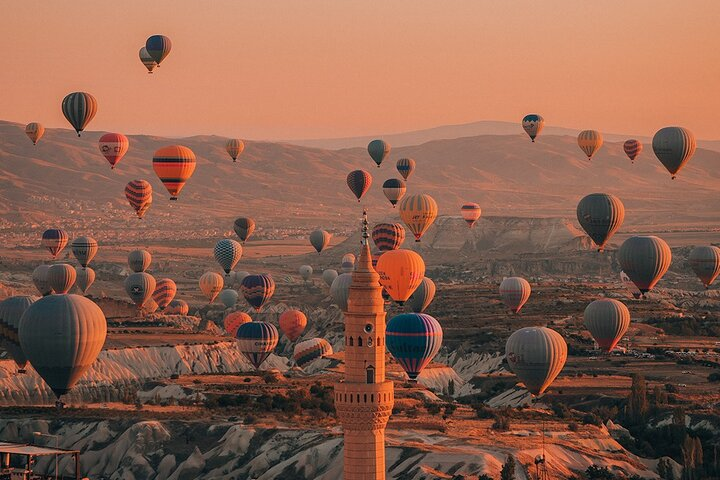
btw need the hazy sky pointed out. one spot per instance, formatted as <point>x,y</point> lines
<point>307,68</point>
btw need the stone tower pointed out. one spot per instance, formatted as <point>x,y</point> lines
<point>364,400</point>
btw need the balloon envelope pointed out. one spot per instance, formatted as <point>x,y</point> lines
<point>139,260</point>
<point>674,147</point>
<point>227,253</point>
<point>329,276</point>
<point>533,125</point>
<point>257,289</point>
<point>422,296</point>
<point>401,271</point>
<point>515,291</point>
<point>413,339</point>
<point>607,320</point>
<point>54,240</point>
<point>41,281</point>
<point>600,215</point>
<point>536,355</point>
<point>84,249</point>
<point>177,307</point>
<point>147,60</point>
<point>34,131</point>
<point>632,149</point>
<point>174,165</point>
<point>11,311</point>
<point>590,142</point>
<point>158,47</point>
<point>234,148</point>
<point>164,293</point>
<point>378,150</point>
<point>244,227</point>
<point>293,323</point>
<point>406,166</point>
<point>320,239</point>
<point>310,350</point>
<point>705,262</point>
<point>394,189</point>
<point>140,286</point>
<point>256,341</point>
<point>418,212</point>
<point>139,195</point>
<point>232,322</point>
<point>79,108</point>
<point>644,259</point>
<point>61,277</point>
<point>211,284</point>
<point>228,297</point>
<point>305,272</point>
<point>340,290</point>
<point>84,278</point>
<point>113,147</point>
<point>470,213</point>
<point>388,236</point>
<point>359,182</point>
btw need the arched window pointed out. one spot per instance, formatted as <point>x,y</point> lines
<point>351,341</point>
<point>372,398</point>
<point>370,342</point>
<point>365,398</point>
<point>379,344</point>
<point>359,341</point>
<point>370,374</point>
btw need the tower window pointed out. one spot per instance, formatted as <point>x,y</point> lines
<point>351,341</point>
<point>359,341</point>
<point>370,342</point>
<point>370,374</point>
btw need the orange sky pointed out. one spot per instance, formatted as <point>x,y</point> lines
<point>307,69</point>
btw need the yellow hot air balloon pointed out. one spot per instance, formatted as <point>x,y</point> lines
<point>211,284</point>
<point>34,131</point>
<point>418,212</point>
<point>401,271</point>
<point>590,142</point>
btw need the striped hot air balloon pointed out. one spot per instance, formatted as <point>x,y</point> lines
<point>54,239</point>
<point>413,339</point>
<point>244,227</point>
<point>401,271</point>
<point>227,253</point>
<point>533,125</point>
<point>84,249</point>
<point>84,278</point>
<point>418,212</point>
<point>256,341</point>
<point>705,262</point>
<point>164,293</point>
<point>378,150</point>
<point>406,166</point>
<point>211,284</point>
<point>41,281</point>
<point>515,291</point>
<point>139,195</point>
<point>422,296</point>
<point>644,259</point>
<point>470,213</point>
<point>607,320</point>
<point>174,165</point>
<point>632,149</point>
<point>34,131</point>
<point>234,148</point>
<point>257,289</point>
<point>340,290</point>
<point>293,323</point>
<point>388,236</point>
<point>113,146</point>
<point>140,286</point>
<point>79,108</point>
<point>61,277</point>
<point>359,182</point>
<point>177,307</point>
<point>394,189</point>
<point>320,239</point>
<point>139,260</point>
<point>590,142</point>
<point>233,321</point>
<point>536,355</point>
<point>158,47</point>
<point>600,215</point>
<point>674,147</point>
<point>308,351</point>
<point>11,311</point>
<point>147,60</point>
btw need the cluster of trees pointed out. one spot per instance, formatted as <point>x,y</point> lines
<point>709,326</point>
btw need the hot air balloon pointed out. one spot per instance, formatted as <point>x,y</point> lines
<point>705,262</point>
<point>418,212</point>
<point>41,281</point>
<point>34,131</point>
<point>61,277</point>
<point>348,263</point>
<point>174,165</point>
<point>600,215</point>
<point>406,166</point>
<point>340,290</point>
<point>244,227</point>
<point>413,339</point>
<point>515,291</point>
<point>164,292</point>
<point>140,286</point>
<point>79,108</point>
<point>147,60</point>
<point>84,249</point>
<point>233,320</point>
<point>401,272</point>
<point>674,147</point>
<point>84,278</point>
<point>234,148</point>
<point>158,47</point>
<point>631,287</point>
<point>329,276</point>
<point>228,297</point>
<point>533,125</point>
<point>239,276</point>
<point>310,350</point>
<point>151,306</point>
<point>62,336</point>
<point>11,311</point>
<point>113,146</point>
<point>320,239</point>
<point>422,296</point>
<point>394,189</point>
<point>359,182</point>
<point>644,259</point>
<point>607,320</point>
<point>211,284</point>
<point>139,260</point>
<point>139,194</point>
<point>632,148</point>
<point>257,340</point>
<point>257,290</point>
<point>227,253</point>
<point>536,355</point>
<point>54,240</point>
<point>388,236</point>
<point>177,307</point>
<point>470,213</point>
<point>293,323</point>
<point>305,272</point>
<point>590,142</point>
<point>378,150</point>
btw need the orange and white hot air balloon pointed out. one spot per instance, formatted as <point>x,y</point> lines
<point>174,165</point>
<point>590,142</point>
<point>211,284</point>
<point>470,213</point>
<point>233,320</point>
<point>34,131</point>
<point>293,323</point>
<point>418,211</point>
<point>113,146</point>
<point>401,272</point>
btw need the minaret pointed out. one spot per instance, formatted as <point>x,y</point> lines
<point>364,400</point>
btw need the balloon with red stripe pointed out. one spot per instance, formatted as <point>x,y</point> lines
<point>413,339</point>
<point>632,148</point>
<point>139,195</point>
<point>113,146</point>
<point>174,165</point>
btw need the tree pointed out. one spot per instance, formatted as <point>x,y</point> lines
<point>637,401</point>
<point>508,469</point>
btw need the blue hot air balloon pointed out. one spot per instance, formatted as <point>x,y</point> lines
<point>257,340</point>
<point>413,339</point>
<point>158,47</point>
